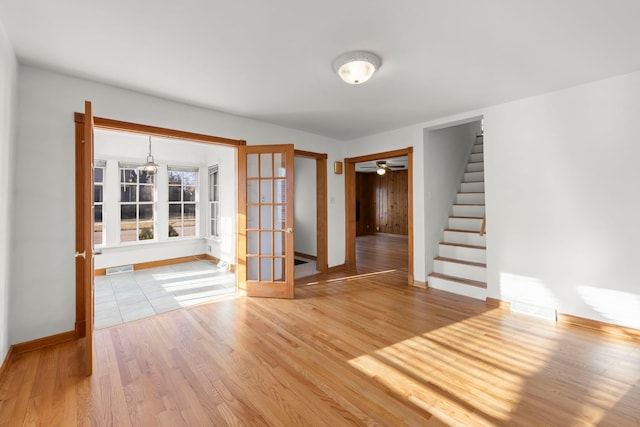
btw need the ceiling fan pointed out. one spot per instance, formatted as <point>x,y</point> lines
<point>382,166</point>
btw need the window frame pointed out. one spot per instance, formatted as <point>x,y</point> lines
<point>214,202</point>
<point>182,202</point>
<point>99,164</point>
<point>122,166</point>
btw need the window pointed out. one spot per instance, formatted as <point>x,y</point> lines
<point>214,201</point>
<point>98,202</point>
<point>183,185</point>
<point>137,204</point>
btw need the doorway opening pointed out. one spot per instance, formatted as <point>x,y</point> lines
<point>379,210</point>
<point>164,240</point>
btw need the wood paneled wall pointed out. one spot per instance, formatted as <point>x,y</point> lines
<point>381,203</point>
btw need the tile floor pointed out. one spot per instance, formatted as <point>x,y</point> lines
<point>125,297</point>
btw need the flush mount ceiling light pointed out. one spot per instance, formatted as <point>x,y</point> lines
<point>150,167</point>
<point>356,67</point>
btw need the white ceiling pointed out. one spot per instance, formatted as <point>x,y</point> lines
<point>399,163</point>
<point>272,60</point>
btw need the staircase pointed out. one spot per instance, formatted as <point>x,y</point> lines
<point>461,265</point>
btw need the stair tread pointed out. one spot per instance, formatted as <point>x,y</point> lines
<point>469,282</point>
<point>459,261</point>
<point>457,230</point>
<point>468,204</point>
<point>462,245</point>
<point>470,182</point>
<point>470,192</point>
<point>465,217</point>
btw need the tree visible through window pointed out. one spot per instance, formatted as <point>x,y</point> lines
<point>183,185</point>
<point>137,204</point>
<point>214,201</point>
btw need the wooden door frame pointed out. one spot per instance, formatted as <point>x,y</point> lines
<point>321,207</point>
<point>82,299</point>
<point>350,204</point>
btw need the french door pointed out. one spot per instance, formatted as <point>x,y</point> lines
<point>84,230</point>
<point>265,220</point>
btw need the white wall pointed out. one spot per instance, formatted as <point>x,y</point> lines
<point>563,205</point>
<point>43,298</point>
<point>561,197</point>
<point>445,155</point>
<point>305,235</point>
<point>8,87</point>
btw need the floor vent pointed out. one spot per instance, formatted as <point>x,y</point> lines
<point>120,269</point>
<point>546,313</point>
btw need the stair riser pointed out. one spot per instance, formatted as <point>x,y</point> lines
<point>476,157</point>
<point>470,224</point>
<point>473,176</point>
<point>474,239</point>
<point>463,271</point>
<point>462,253</point>
<point>472,187</point>
<point>468,210</point>
<point>458,288</point>
<point>478,148</point>
<point>470,199</point>
<point>475,167</point>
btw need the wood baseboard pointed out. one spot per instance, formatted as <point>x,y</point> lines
<point>307,256</point>
<point>339,267</point>
<point>419,284</point>
<point>604,327</point>
<point>495,302</point>
<point>6,362</point>
<point>39,343</point>
<point>163,262</point>
<point>600,326</point>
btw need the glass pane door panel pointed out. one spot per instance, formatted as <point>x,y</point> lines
<point>252,216</point>
<point>280,219</point>
<point>266,242</point>
<point>252,165</point>
<point>278,269</point>
<point>252,191</point>
<point>281,194</point>
<point>252,268</point>
<point>252,243</point>
<point>266,165</point>
<point>278,243</point>
<point>266,217</point>
<point>266,191</point>
<point>279,165</point>
<point>266,269</point>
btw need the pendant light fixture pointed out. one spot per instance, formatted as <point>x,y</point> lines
<point>356,67</point>
<point>150,167</point>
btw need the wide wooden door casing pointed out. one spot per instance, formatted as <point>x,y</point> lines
<point>85,224</point>
<point>265,220</point>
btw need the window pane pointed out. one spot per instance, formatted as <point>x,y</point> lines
<point>145,212</point>
<point>252,268</point>
<point>189,194</point>
<point>146,230</point>
<point>278,270</point>
<point>252,242</point>
<point>146,178</point>
<point>175,229</point>
<point>278,243</point>
<point>97,214</point>
<point>280,190</point>
<point>98,174</point>
<point>265,216</point>
<point>129,175</point>
<point>174,193</point>
<point>252,216</point>
<point>146,193</point>
<point>128,212</point>
<point>97,193</point>
<point>266,267</point>
<point>128,231</point>
<point>175,211</point>
<point>265,243</point>
<point>175,177</point>
<point>128,193</point>
<point>189,178</point>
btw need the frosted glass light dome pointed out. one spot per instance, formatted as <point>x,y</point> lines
<point>356,67</point>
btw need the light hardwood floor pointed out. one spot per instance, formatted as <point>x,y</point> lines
<point>353,348</point>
